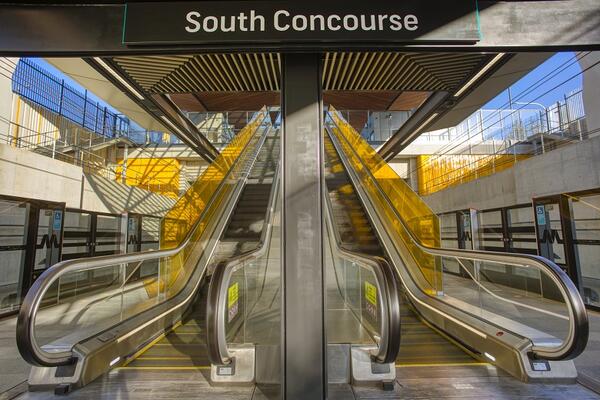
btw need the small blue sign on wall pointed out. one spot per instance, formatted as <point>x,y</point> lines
<point>540,213</point>
<point>57,221</point>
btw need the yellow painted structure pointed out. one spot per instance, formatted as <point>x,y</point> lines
<point>159,175</point>
<point>416,215</point>
<point>436,173</point>
<point>33,125</point>
<point>196,208</point>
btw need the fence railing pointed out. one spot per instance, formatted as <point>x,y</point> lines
<point>490,141</point>
<point>33,83</point>
<point>72,146</point>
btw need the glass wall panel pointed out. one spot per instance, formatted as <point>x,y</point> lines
<point>521,230</point>
<point>13,219</point>
<point>77,235</point>
<point>150,241</point>
<point>586,231</point>
<point>556,239</point>
<point>490,230</point>
<point>107,234</point>
<point>48,239</point>
<point>449,230</point>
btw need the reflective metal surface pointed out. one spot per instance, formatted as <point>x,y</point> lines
<point>432,278</point>
<point>216,316</point>
<point>174,267</point>
<point>386,291</point>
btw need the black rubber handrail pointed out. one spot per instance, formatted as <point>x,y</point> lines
<point>218,351</point>
<point>27,343</point>
<point>578,334</point>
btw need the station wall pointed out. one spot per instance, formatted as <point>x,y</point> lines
<point>26,174</point>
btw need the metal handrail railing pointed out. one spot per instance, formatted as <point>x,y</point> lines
<point>390,325</point>
<point>577,336</point>
<point>218,353</point>
<point>27,343</point>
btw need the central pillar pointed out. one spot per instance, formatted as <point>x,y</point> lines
<point>303,319</point>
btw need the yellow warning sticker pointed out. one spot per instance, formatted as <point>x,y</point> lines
<point>371,293</point>
<point>233,294</point>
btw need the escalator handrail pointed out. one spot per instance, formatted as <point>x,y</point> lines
<point>577,337</point>
<point>218,352</point>
<point>27,344</point>
<point>390,325</point>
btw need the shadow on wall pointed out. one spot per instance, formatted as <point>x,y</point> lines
<point>99,192</point>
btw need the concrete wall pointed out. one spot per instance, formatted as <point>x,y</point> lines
<point>26,174</point>
<point>7,65</point>
<point>591,89</point>
<point>568,169</point>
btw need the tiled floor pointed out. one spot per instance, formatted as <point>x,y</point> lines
<point>467,382</point>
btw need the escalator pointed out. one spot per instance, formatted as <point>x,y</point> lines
<point>420,344</point>
<point>387,305</point>
<point>209,301</point>
<point>150,313</point>
<point>184,348</point>
<point>519,313</point>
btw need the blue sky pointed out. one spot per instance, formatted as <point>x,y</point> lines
<point>563,67</point>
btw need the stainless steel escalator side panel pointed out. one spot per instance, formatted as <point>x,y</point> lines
<point>218,350</point>
<point>389,343</point>
<point>91,357</point>
<point>510,351</point>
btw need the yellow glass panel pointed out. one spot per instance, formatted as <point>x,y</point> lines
<point>180,219</point>
<point>159,175</point>
<point>395,199</point>
<point>185,214</point>
<point>436,173</point>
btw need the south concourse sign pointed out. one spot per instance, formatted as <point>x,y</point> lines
<point>224,22</point>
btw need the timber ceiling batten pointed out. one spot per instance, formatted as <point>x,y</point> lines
<point>342,71</point>
<point>147,71</point>
<point>218,73</point>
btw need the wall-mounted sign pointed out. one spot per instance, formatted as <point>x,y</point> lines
<point>540,213</point>
<point>57,221</point>
<point>214,22</point>
<point>233,295</point>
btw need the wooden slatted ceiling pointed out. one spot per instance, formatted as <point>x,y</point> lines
<point>249,72</point>
<point>207,72</point>
<point>148,71</point>
<point>408,101</point>
<point>342,100</point>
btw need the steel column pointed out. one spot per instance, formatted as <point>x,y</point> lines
<point>303,336</point>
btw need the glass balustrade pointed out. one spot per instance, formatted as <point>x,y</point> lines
<point>91,295</point>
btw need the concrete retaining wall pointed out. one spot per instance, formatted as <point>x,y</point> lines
<point>26,174</point>
<point>569,169</point>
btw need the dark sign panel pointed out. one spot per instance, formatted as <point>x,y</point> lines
<point>215,22</point>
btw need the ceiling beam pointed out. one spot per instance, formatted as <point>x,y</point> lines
<point>158,106</point>
<point>416,124</point>
<point>183,128</point>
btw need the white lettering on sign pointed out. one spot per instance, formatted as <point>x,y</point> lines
<point>284,21</point>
